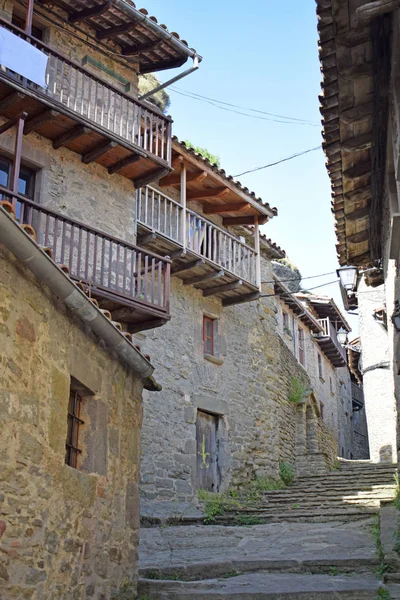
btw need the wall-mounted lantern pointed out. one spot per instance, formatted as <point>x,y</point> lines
<point>342,336</point>
<point>396,316</point>
<point>348,277</point>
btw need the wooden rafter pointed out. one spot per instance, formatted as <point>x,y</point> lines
<point>188,266</point>
<point>97,152</point>
<point>240,299</point>
<point>149,177</point>
<point>377,8</point>
<point>358,143</point>
<point>219,209</point>
<point>44,117</point>
<point>357,113</point>
<point>360,213</point>
<point>146,238</point>
<point>124,162</point>
<point>204,277</point>
<point>117,30</point>
<point>175,179</point>
<point>141,48</point>
<point>94,11</point>
<point>70,136</point>
<point>220,289</point>
<point>10,100</point>
<point>205,194</point>
<point>239,220</point>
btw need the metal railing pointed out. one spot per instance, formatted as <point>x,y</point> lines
<point>357,394</point>
<point>81,93</point>
<point>164,215</point>
<point>97,259</point>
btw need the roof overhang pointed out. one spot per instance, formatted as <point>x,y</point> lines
<point>326,308</point>
<point>138,35</point>
<point>296,306</point>
<point>218,192</point>
<point>354,49</point>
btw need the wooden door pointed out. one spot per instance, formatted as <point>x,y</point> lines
<point>207,451</point>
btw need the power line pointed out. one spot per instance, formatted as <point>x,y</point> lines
<point>263,112</point>
<point>300,278</point>
<point>278,161</point>
<point>293,293</point>
<point>286,121</point>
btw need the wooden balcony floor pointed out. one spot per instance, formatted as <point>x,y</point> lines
<point>336,355</point>
<point>199,272</point>
<point>93,143</point>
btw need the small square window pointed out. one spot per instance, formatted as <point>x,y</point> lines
<point>208,335</point>
<point>72,445</point>
<point>286,321</point>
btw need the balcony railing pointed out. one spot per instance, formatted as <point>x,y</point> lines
<point>329,331</point>
<point>76,91</point>
<point>357,395</point>
<point>162,214</point>
<point>110,267</point>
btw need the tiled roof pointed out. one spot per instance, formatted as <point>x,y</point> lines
<point>222,173</point>
<point>29,230</point>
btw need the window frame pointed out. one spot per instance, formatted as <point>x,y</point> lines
<point>320,366</point>
<point>74,423</point>
<point>206,338</point>
<point>27,172</point>
<point>301,351</point>
<point>286,320</point>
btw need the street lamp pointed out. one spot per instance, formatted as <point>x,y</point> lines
<point>348,277</point>
<point>342,336</point>
<point>396,316</point>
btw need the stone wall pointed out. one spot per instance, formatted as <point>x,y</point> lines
<point>65,533</point>
<point>247,385</point>
<point>377,376</point>
<point>360,437</point>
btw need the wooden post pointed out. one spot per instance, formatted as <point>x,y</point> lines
<point>257,248</point>
<point>17,156</point>
<point>29,17</point>
<point>183,202</point>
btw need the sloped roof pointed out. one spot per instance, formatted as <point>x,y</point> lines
<point>325,307</point>
<point>295,304</point>
<point>139,35</point>
<point>252,196</point>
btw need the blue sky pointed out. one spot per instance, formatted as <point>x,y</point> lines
<point>261,54</point>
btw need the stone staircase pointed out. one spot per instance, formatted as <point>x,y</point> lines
<point>312,541</point>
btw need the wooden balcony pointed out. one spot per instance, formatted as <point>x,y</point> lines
<point>204,255</point>
<point>130,282</point>
<point>357,397</point>
<point>330,345</point>
<point>84,113</point>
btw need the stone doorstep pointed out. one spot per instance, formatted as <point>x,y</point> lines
<point>265,586</point>
<point>200,570</point>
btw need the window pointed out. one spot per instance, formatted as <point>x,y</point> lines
<point>320,371</point>
<point>286,322</point>
<point>20,22</point>
<point>208,335</point>
<point>74,423</point>
<point>26,181</point>
<point>300,345</point>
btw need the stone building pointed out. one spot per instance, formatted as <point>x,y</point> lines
<point>360,107</point>
<point>308,325</point>
<point>360,427</point>
<point>75,144</point>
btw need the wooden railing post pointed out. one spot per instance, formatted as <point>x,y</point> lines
<point>167,287</point>
<point>258,255</point>
<point>16,168</point>
<point>183,202</point>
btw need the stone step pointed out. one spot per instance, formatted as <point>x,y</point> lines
<point>311,504</point>
<point>325,490</point>
<point>264,586</point>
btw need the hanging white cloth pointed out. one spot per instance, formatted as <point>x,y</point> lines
<point>21,57</point>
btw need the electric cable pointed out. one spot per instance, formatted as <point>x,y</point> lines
<point>300,278</point>
<point>278,161</point>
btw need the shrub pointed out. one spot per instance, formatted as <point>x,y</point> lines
<point>286,472</point>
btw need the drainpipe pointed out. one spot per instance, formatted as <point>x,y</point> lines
<point>195,66</point>
<point>28,253</point>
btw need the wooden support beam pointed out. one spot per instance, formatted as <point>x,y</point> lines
<point>358,143</point>
<point>240,299</point>
<point>147,238</point>
<point>219,209</point>
<point>177,161</point>
<point>360,213</point>
<point>97,152</point>
<point>376,8</point>
<point>94,11</point>
<point>220,289</point>
<point>124,162</point>
<point>122,314</point>
<point>10,100</point>
<point>176,254</point>
<point>357,113</point>
<point>358,238</point>
<point>136,327</point>
<point>12,122</point>
<point>112,32</point>
<point>205,277</point>
<point>153,176</point>
<point>359,170</point>
<point>70,136</point>
<point>188,266</point>
<point>205,194</point>
<point>359,71</point>
<point>239,221</point>
<point>44,117</point>
<point>141,48</point>
<point>175,178</point>
<point>359,195</point>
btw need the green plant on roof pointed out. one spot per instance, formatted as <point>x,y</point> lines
<point>214,160</point>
